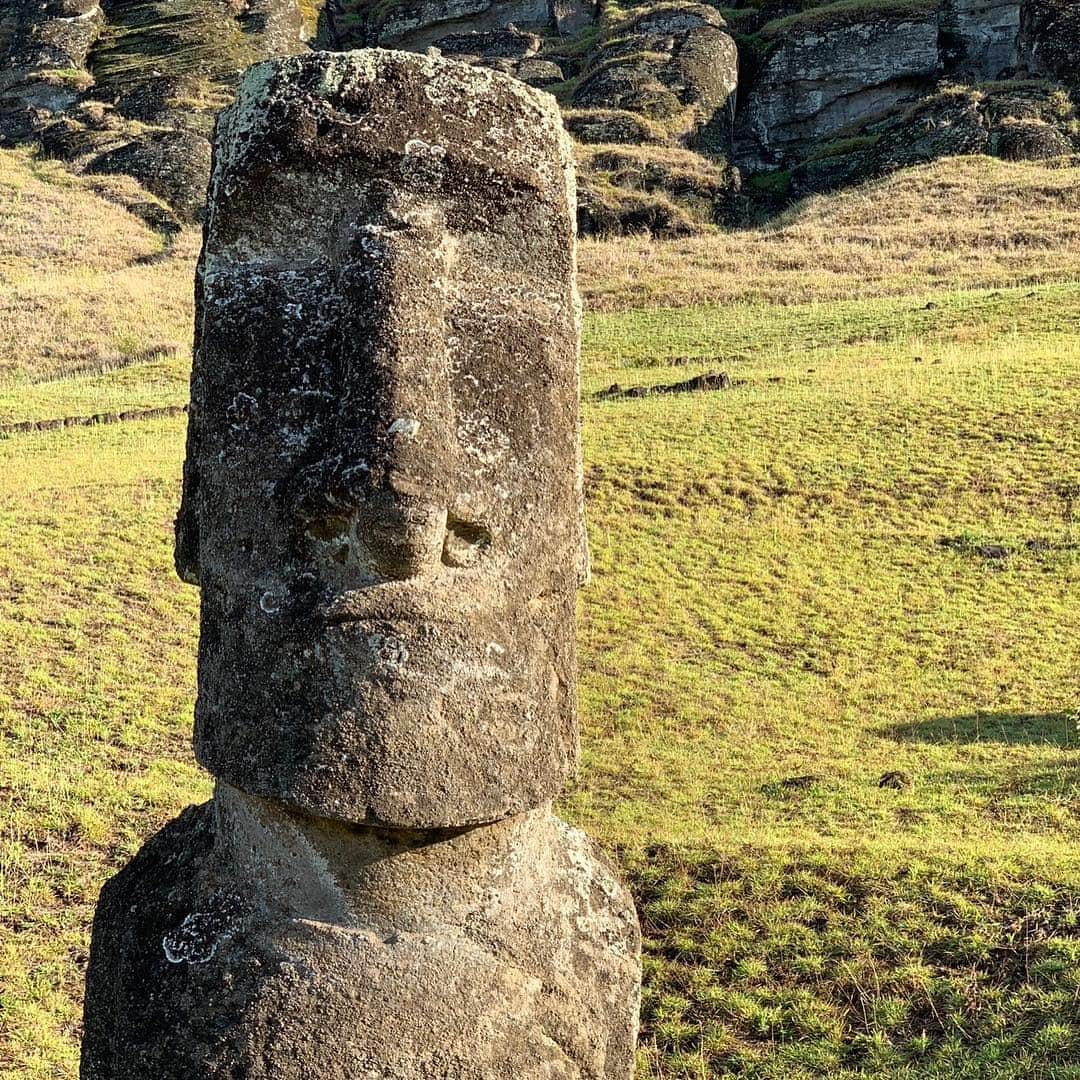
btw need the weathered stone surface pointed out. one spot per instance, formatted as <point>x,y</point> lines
<point>1032,140</point>
<point>818,78</point>
<point>690,74</point>
<point>416,24</point>
<point>980,37</point>
<point>571,16</point>
<point>382,495</point>
<point>951,127</point>
<point>1050,39</point>
<point>173,164</point>
<point>667,192</point>
<point>704,71</point>
<point>674,18</point>
<point>507,43</point>
<point>509,50</point>
<point>244,941</point>
<point>41,62</point>
<point>539,73</point>
<point>1013,120</point>
<point>49,36</point>
<point>631,86</point>
<point>162,71</point>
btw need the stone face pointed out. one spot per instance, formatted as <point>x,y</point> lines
<point>382,495</point>
<point>280,947</point>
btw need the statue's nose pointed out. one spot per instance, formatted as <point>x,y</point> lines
<point>401,528</point>
<point>410,453</point>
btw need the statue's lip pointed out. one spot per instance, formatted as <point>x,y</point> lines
<point>427,600</point>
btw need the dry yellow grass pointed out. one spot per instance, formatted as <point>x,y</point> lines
<point>84,284</point>
<point>959,223</point>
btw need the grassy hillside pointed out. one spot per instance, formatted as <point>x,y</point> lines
<point>829,654</point>
<point>85,286</point>
<point>966,222</point>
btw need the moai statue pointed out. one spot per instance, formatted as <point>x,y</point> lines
<point>382,507</point>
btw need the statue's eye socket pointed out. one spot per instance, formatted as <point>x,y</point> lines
<point>465,543</point>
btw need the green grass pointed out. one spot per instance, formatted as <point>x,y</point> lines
<point>137,386</point>
<point>95,705</point>
<point>861,562</point>
<point>779,592</point>
<point>798,965</point>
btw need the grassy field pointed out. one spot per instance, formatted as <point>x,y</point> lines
<point>829,655</point>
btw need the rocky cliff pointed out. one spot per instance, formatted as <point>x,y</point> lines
<point>685,115</point>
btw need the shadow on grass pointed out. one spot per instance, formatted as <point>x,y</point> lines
<point>1037,729</point>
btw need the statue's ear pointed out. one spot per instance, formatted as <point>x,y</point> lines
<point>186,551</point>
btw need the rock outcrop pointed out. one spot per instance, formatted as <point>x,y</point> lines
<point>790,94</point>
<point>980,38</point>
<point>1017,120</point>
<point>663,191</point>
<point>382,510</point>
<point>831,73</point>
<point>45,52</point>
<point>1050,39</point>
<point>817,78</point>
<point>683,76</point>
<point>137,91</point>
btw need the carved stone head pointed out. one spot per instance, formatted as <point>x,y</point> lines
<point>382,494</point>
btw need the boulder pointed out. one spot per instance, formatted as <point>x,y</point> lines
<point>666,191</point>
<point>629,86</point>
<point>686,78</point>
<point>173,164</point>
<point>539,73</point>
<point>675,18</point>
<point>612,126</point>
<point>1032,140</point>
<point>507,43</point>
<point>41,62</point>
